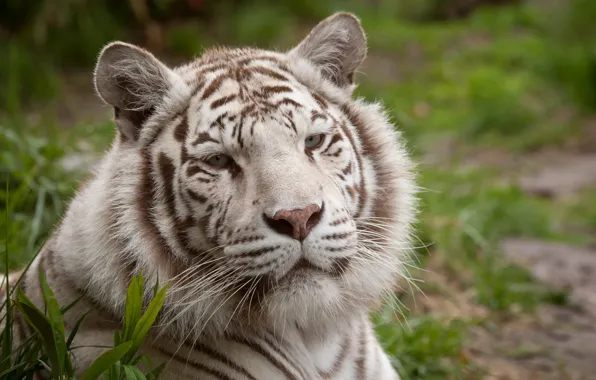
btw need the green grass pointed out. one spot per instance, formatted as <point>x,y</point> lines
<point>500,78</point>
<point>465,216</point>
<point>423,347</point>
<point>49,350</point>
<point>34,189</point>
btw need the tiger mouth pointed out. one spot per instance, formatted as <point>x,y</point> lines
<point>266,284</point>
<point>305,266</point>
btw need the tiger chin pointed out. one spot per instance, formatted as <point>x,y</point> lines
<point>275,205</point>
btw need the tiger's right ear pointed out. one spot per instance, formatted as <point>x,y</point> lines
<point>134,82</point>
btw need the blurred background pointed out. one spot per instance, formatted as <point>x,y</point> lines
<point>496,98</point>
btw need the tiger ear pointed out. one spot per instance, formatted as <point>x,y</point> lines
<point>133,81</point>
<point>337,46</point>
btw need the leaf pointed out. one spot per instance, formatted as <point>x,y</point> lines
<point>105,361</point>
<point>133,307</point>
<point>115,371</point>
<point>5,361</point>
<point>56,322</point>
<point>141,280</point>
<point>11,369</point>
<point>107,375</point>
<point>156,286</point>
<point>117,339</point>
<point>41,324</point>
<point>156,372</point>
<point>71,305</point>
<point>146,321</point>
<point>74,330</point>
<point>130,375</point>
<point>141,359</point>
<point>133,372</point>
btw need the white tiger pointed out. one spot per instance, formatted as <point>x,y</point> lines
<point>276,207</point>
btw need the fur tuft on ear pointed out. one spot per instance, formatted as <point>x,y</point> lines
<point>337,46</point>
<point>133,81</point>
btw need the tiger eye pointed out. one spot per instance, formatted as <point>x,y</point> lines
<point>314,141</point>
<point>219,160</point>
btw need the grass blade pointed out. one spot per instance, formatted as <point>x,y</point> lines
<point>40,323</point>
<point>74,330</point>
<point>5,358</point>
<point>5,361</point>
<point>56,322</point>
<point>156,372</point>
<point>66,308</point>
<point>115,371</point>
<point>133,373</point>
<point>146,321</point>
<point>3,375</point>
<point>133,307</point>
<point>105,361</point>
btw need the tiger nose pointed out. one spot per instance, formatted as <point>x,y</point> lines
<point>296,223</point>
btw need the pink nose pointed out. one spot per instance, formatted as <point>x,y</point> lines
<point>296,223</point>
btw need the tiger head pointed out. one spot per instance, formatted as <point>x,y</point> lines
<point>260,187</point>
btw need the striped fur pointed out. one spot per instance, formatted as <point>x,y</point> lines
<point>246,302</point>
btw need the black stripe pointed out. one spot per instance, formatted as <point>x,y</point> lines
<point>335,154</point>
<point>191,170</point>
<point>275,347</point>
<point>221,220</point>
<point>339,221</point>
<point>219,122</point>
<point>267,91</point>
<point>246,240</point>
<point>337,137</point>
<point>362,190</point>
<point>316,115</point>
<point>336,236</point>
<point>320,100</point>
<point>266,354</point>
<point>214,86</point>
<point>223,101</point>
<point>146,202</point>
<point>181,130</point>
<point>268,72</point>
<point>198,366</point>
<point>287,101</point>
<point>197,197</point>
<point>211,68</point>
<point>257,252</point>
<point>204,137</point>
<point>339,360</point>
<point>360,360</point>
<point>215,355</point>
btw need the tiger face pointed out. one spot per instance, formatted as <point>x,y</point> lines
<point>272,190</point>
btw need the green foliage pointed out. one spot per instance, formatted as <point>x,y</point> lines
<point>466,224</point>
<point>31,176</point>
<point>24,77</point>
<point>572,53</point>
<point>123,358</point>
<point>424,347</point>
<point>50,330</point>
<point>185,39</point>
<point>496,103</point>
<point>50,350</point>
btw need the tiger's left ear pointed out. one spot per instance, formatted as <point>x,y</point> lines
<point>134,82</point>
<point>337,46</point>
